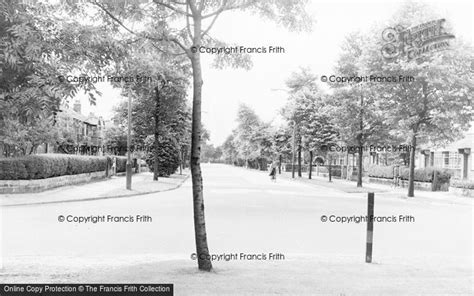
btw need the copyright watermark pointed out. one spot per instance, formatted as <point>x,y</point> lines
<point>94,219</point>
<point>96,79</point>
<point>367,78</point>
<point>239,257</point>
<point>366,218</point>
<point>237,49</point>
<point>366,148</point>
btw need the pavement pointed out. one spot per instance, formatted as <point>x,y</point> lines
<point>246,213</point>
<point>113,187</point>
<point>380,190</point>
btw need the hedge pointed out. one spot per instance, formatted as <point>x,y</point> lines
<point>421,175</point>
<point>465,184</point>
<point>380,171</point>
<point>49,165</point>
<point>426,174</point>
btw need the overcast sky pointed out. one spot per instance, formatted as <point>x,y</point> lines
<point>224,90</point>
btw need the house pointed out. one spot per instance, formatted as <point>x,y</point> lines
<point>456,156</point>
<point>82,134</point>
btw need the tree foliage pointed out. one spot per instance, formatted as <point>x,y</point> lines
<point>39,51</point>
<point>168,154</point>
<point>437,106</point>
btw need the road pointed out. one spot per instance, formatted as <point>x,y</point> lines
<point>246,213</point>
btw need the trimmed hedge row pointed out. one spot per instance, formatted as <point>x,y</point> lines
<point>466,184</point>
<point>421,175</point>
<point>380,171</point>
<point>49,165</point>
<point>427,174</point>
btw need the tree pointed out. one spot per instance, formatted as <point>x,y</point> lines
<point>38,51</point>
<point>318,130</point>
<point>116,137</point>
<point>437,106</point>
<point>282,144</point>
<point>248,124</point>
<point>252,139</point>
<point>200,17</point>
<point>211,153</point>
<point>306,109</point>
<point>358,120</point>
<point>302,86</point>
<point>355,107</point>
<point>165,91</point>
<point>229,150</point>
<point>27,137</point>
<point>168,155</point>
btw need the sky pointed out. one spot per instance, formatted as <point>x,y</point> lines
<point>263,86</point>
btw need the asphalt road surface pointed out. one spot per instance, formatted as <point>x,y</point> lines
<point>246,213</point>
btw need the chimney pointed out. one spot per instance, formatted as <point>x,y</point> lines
<point>77,106</point>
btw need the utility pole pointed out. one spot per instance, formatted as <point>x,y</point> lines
<point>129,160</point>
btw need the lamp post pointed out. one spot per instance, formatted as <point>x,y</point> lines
<point>129,160</point>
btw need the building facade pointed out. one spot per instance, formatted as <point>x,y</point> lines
<point>457,157</point>
<point>81,134</point>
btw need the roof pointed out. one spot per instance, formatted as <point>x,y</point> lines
<point>72,114</point>
<point>92,119</point>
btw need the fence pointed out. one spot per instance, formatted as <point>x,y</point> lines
<point>337,171</point>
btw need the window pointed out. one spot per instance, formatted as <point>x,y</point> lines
<point>445,159</point>
<point>448,159</point>
<point>454,160</point>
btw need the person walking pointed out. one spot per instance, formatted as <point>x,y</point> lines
<point>273,171</point>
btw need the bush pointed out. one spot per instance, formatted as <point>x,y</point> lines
<point>380,171</point>
<point>426,174</point>
<point>43,166</point>
<point>168,155</point>
<point>12,169</point>
<point>421,175</point>
<point>465,184</point>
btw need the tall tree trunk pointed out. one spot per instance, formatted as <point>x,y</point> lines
<point>360,142</point>
<point>202,250</point>
<point>181,161</point>
<point>330,169</point>
<point>293,148</point>
<point>299,160</point>
<point>310,163</point>
<point>279,164</point>
<point>411,178</point>
<point>157,134</point>
<point>348,177</point>
<point>360,167</point>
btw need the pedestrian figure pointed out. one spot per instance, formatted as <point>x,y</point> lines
<point>273,171</point>
<point>114,166</point>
